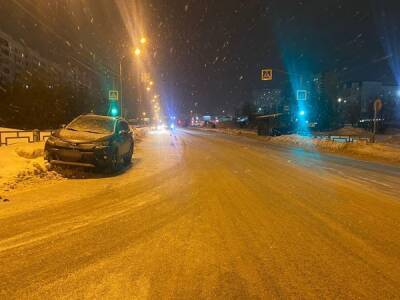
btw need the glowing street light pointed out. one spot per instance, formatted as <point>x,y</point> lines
<point>143,40</point>
<point>137,51</point>
<point>148,89</point>
<point>151,82</point>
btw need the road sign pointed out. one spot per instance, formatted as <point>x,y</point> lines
<point>113,95</point>
<point>378,105</point>
<point>266,74</point>
<point>301,95</point>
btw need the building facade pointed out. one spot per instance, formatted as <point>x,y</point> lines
<point>357,98</point>
<point>19,64</point>
<point>268,101</point>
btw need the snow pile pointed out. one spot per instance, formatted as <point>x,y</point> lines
<point>363,149</point>
<point>30,151</point>
<point>232,131</point>
<point>23,165</point>
<point>140,133</point>
<point>308,142</point>
<point>378,151</point>
<point>391,136</point>
<point>349,131</point>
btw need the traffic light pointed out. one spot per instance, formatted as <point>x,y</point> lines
<point>113,109</point>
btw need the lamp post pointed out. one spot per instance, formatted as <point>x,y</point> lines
<point>120,85</point>
<point>137,52</point>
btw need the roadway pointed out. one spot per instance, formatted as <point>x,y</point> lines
<point>205,215</point>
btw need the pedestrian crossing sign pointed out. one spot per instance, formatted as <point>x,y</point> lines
<point>113,95</point>
<point>266,74</point>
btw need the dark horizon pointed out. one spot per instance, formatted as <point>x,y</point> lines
<point>212,53</point>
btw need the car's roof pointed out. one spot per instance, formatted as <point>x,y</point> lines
<point>101,117</point>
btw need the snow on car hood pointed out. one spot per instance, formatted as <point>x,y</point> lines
<point>81,136</point>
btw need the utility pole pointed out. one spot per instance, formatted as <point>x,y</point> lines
<point>120,86</point>
<point>377,107</point>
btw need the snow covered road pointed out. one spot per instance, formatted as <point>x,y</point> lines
<point>207,215</point>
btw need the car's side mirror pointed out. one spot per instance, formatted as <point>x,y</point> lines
<point>123,132</point>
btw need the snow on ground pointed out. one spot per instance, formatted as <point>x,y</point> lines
<point>233,131</point>
<point>391,136</point>
<point>382,150</point>
<point>23,166</point>
<point>363,149</point>
<point>140,132</point>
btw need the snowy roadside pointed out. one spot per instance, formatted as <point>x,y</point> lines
<point>231,131</point>
<point>139,133</point>
<point>384,152</point>
<point>378,151</point>
<point>23,167</point>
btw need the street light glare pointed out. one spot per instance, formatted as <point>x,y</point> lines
<point>137,51</point>
<point>143,40</point>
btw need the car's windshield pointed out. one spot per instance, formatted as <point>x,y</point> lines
<point>92,124</point>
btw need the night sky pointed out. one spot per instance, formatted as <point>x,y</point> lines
<point>211,52</point>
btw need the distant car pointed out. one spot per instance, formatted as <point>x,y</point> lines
<point>91,141</point>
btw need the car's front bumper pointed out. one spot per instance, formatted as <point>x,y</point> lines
<point>78,156</point>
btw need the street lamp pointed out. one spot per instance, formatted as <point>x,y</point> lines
<point>120,84</point>
<point>137,51</point>
<point>143,40</point>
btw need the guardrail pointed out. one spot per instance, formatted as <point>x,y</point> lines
<point>30,136</point>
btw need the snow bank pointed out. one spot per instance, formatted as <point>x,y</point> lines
<point>232,131</point>
<point>30,151</point>
<point>23,165</point>
<point>140,133</point>
<point>378,151</point>
<point>363,149</point>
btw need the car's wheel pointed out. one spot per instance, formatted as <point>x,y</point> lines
<point>114,164</point>
<point>128,156</point>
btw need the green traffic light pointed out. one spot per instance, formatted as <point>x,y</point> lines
<point>114,112</point>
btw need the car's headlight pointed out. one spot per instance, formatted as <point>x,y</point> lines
<point>102,144</point>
